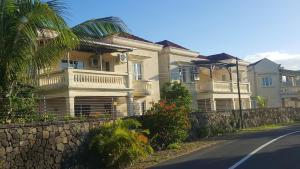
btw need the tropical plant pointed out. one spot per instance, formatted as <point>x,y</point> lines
<point>33,36</point>
<point>167,123</point>
<point>261,101</point>
<point>117,145</point>
<point>176,93</point>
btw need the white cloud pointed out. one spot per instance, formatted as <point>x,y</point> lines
<point>288,61</point>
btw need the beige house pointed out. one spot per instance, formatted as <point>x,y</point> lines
<point>211,80</point>
<point>280,87</point>
<point>217,85</point>
<point>116,75</point>
<point>176,64</point>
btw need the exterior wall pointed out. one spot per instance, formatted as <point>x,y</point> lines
<point>266,68</point>
<point>147,55</point>
<point>164,67</point>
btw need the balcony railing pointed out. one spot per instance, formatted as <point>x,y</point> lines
<point>77,78</point>
<point>223,87</point>
<point>142,87</point>
<point>290,90</point>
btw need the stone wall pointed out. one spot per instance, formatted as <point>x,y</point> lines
<point>43,145</point>
<point>212,123</point>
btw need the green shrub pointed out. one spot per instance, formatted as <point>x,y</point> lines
<point>168,120</point>
<point>118,145</point>
<point>174,146</point>
<point>176,93</point>
<point>167,124</point>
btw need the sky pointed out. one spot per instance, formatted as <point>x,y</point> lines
<point>249,29</point>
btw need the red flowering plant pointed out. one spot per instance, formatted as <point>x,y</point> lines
<point>168,120</point>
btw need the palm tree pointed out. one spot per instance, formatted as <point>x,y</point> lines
<point>34,35</point>
<point>261,101</point>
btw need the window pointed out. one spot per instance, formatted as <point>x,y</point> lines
<point>137,71</point>
<point>283,79</point>
<point>192,74</point>
<point>184,72</point>
<point>143,107</point>
<point>266,82</point>
<point>175,74</point>
<point>76,64</point>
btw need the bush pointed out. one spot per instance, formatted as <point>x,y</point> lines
<point>167,124</point>
<point>118,145</point>
<point>176,93</point>
<point>173,146</point>
<point>168,120</point>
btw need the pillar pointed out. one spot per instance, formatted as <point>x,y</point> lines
<point>70,106</point>
<point>233,104</point>
<point>213,105</point>
<point>250,103</point>
<point>130,111</point>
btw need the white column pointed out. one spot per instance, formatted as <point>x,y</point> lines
<point>233,104</point>
<point>250,103</point>
<point>213,104</point>
<point>130,111</point>
<point>70,106</point>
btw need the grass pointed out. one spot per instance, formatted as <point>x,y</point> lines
<point>267,127</point>
<point>189,147</point>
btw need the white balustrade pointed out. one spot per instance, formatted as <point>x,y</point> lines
<point>76,78</point>
<point>53,80</point>
<point>290,90</point>
<point>223,86</point>
<point>142,87</point>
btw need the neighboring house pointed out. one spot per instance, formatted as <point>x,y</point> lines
<point>211,80</point>
<point>280,87</point>
<point>118,74</point>
<point>175,64</point>
<point>217,87</point>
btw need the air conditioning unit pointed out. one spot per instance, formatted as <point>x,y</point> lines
<point>123,58</point>
<point>196,76</point>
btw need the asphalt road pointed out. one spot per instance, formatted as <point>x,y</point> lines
<point>276,149</point>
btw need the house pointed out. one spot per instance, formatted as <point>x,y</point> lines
<point>280,87</point>
<point>217,85</point>
<point>117,75</point>
<point>176,65</point>
<point>211,80</point>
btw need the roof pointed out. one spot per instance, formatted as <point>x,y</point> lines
<point>221,56</point>
<point>133,37</point>
<point>255,62</point>
<point>202,57</point>
<point>167,43</point>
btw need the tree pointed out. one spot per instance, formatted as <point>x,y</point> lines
<point>168,120</point>
<point>33,36</point>
<point>175,92</point>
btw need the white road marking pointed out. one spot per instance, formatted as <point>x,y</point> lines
<point>259,148</point>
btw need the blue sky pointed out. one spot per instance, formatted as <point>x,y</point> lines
<point>250,29</point>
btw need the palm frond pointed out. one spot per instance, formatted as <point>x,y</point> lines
<point>100,28</point>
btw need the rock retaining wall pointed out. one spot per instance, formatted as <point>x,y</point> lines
<point>42,145</point>
<point>212,123</point>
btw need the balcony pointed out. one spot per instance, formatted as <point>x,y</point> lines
<point>142,87</point>
<point>223,87</point>
<point>290,90</point>
<point>83,79</point>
